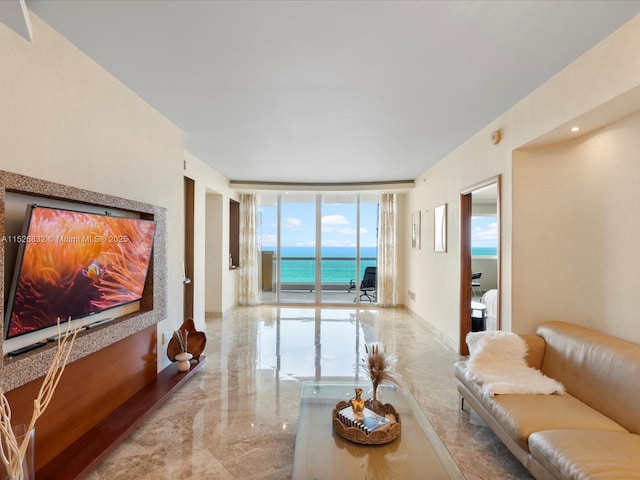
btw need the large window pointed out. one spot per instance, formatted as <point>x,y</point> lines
<point>290,228</point>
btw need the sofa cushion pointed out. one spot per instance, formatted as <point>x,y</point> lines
<point>600,370</point>
<point>587,454</point>
<point>535,350</point>
<point>522,415</point>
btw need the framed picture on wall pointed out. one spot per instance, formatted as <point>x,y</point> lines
<point>440,228</point>
<point>415,230</point>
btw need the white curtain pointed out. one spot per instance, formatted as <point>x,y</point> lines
<point>248,288</point>
<point>387,270</point>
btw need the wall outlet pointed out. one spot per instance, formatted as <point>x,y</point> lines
<point>166,336</point>
<point>412,295</point>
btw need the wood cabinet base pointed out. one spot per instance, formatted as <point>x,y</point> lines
<point>84,455</point>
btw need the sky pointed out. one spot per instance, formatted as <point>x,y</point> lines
<point>338,223</point>
<point>484,231</point>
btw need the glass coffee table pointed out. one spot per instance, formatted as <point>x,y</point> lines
<point>320,454</point>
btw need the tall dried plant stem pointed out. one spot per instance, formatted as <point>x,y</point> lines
<point>182,337</point>
<point>12,454</point>
<point>378,365</point>
<point>10,450</point>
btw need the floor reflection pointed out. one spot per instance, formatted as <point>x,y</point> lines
<point>237,417</point>
<point>313,344</point>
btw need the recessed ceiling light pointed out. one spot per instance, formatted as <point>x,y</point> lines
<point>575,129</point>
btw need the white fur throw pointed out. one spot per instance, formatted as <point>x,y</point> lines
<point>497,363</point>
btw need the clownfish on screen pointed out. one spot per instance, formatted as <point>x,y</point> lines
<point>93,271</point>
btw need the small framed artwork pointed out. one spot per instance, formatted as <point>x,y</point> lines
<point>440,228</point>
<point>415,230</point>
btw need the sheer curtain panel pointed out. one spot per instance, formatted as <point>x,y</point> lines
<point>387,255</point>
<point>248,287</point>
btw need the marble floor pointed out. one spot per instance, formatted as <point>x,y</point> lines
<point>236,418</point>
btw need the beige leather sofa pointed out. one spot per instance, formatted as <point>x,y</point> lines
<point>592,431</point>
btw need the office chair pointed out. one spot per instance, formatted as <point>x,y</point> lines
<point>475,284</point>
<point>368,284</point>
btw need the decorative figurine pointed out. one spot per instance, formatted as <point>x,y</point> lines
<point>357,403</point>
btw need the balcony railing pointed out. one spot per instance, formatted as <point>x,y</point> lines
<point>298,273</point>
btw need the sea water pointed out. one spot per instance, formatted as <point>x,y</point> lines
<point>484,251</point>
<point>338,264</point>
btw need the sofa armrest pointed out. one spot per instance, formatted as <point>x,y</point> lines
<point>535,350</point>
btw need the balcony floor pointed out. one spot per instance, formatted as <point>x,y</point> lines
<point>306,296</point>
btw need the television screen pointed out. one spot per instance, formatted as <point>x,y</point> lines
<point>73,264</point>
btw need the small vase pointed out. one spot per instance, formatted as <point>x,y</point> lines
<point>28,471</point>
<point>183,361</point>
<point>374,403</point>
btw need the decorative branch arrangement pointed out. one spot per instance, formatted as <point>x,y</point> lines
<point>12,453</point>
<point>182,337</point>
<point>378,365</point>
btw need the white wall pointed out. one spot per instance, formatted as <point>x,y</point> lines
<point>65,119</point>
<point>218,287</point>
<point>602,74</point>
<point>214,248</point>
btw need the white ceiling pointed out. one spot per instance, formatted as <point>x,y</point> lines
<point>331,91</point>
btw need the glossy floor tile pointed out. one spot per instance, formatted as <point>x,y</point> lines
<point>237,417</point>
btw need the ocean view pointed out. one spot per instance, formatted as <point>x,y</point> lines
<point>484,251</point>
<point>338,263</point>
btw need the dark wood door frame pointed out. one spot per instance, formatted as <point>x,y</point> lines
<point>189,201</point>
<point>466,200</point>
<point>465,270</point>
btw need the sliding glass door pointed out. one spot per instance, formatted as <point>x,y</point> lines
<point>368,244</point>
<point>294,268</point>
<point>297,248</point>
<point>339,239</point>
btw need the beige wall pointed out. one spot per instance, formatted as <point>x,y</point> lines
<point>215,286</point>
<point>65,119</point>
<point>578,231</point>
<point>587,89</point>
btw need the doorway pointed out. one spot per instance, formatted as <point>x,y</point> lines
<point>479,259</point>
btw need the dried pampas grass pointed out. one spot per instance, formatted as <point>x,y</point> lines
<point>182,337</point>
<point>378,365</point>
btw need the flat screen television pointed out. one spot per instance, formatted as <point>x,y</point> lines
<point>73,264</point>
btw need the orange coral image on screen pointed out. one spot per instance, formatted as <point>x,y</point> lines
<point>75,264</point>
